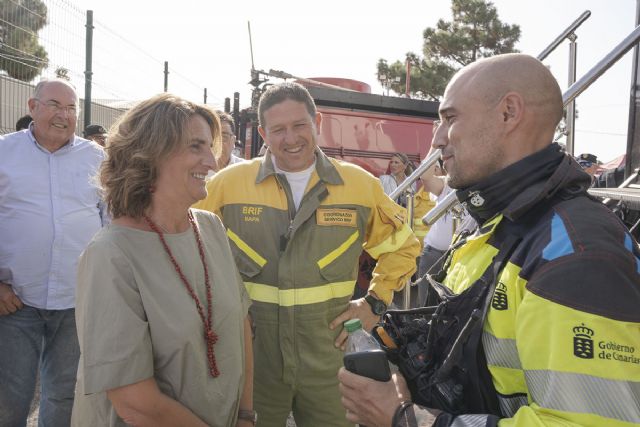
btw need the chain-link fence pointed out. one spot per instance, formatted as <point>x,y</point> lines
<point>49,38</point>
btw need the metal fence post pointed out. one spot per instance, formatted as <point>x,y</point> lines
<point>571,108</point>
<point>632,159</point>
<point>166,76</point>
<point>88,73</point>
<point>236,111</point>
<point>205,95</point>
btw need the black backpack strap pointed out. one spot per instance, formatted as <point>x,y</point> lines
<point>478,315</point>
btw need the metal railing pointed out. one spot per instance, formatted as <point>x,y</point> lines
<point>405,186</point>
<point>569,33</point>
<point>570,94</point>
<point>565,34</point>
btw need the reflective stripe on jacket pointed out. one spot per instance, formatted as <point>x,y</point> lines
<point>562,336</point>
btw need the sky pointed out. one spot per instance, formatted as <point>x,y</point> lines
<point>207,43</point>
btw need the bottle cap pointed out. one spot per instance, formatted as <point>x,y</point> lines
<point>353,325</point>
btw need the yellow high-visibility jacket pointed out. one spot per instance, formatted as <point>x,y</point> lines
<point>562,334</point>
<point>422,204</point>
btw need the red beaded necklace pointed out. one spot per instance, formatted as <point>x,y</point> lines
<point>210,336</point>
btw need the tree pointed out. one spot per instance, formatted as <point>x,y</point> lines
<point>474,32</point>
<point>21,56</point>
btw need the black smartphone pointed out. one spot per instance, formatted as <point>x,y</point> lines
<point>371,364</point>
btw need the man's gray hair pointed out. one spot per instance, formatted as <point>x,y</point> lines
<point>44,81</point>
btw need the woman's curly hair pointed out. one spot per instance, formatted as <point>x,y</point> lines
<point>143,136</point>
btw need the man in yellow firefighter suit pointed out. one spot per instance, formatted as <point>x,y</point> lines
<point>561,338</point>
<point>422,204</point>
<point>297,222</point>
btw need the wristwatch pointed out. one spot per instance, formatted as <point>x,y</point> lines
<point>377,306</point>
<point>248,415</point>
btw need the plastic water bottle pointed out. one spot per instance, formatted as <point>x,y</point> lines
<point>359,339</point>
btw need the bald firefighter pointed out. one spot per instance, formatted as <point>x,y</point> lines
<point>550,334</point>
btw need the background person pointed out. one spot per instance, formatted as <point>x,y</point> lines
<point>23,122</point>
<point>422,204</point>
<point>97,134</point>
<point>438,238</point>
<point>228,140</point>
<point>399,168</point>
<point>298,221</point>
<point>588,163</point>
<point>162,313</point>
<point>49,210</point>
<point>569,287</point>
<point>443,232</point>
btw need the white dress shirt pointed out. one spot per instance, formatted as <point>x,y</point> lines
<point>50,208</point>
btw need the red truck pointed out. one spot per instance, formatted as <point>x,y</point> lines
<point>358,126</point>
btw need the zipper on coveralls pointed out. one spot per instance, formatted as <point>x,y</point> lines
<point>291,210</point>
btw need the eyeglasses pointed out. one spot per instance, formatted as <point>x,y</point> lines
<point>55,107</point>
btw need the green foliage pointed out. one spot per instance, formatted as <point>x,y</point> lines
<point>21,55</point>
<point>474,32</point>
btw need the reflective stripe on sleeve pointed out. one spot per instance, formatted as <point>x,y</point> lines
<point>391,243</point>
<point>509,405</point>
<point>501,351</point>
<point>470,421</point>
<point>302,296</point>
<point>255,256</point>
<point>578,393</point>
<point>334,254</point>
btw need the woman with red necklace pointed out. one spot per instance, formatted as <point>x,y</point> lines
<point>162,316</point>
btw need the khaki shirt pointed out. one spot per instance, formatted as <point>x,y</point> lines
<point>136,320</point>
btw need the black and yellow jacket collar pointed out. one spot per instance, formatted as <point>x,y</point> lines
<point>520,187</point>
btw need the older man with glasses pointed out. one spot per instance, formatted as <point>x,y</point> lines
<point>49,210</point>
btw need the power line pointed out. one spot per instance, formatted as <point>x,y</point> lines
<point>601,133</point>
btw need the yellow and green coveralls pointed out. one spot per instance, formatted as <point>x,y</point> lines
<point>422,204</point>
<point>300,267</point>
<point>562,334</point>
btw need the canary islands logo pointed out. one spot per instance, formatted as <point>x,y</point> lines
<point>582,342</point>
<point>500,301</point>
<point>476,199</point>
